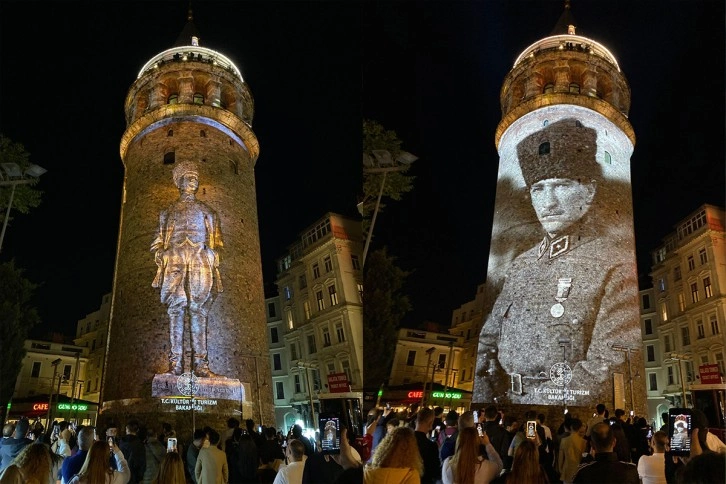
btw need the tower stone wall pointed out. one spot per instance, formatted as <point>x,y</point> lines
<point>561,327</point>
<point>189,105</point>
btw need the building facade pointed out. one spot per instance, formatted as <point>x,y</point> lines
<point>562,329</point>
<point>466,322</point>
<point>187,314</point>
<point>320,283</point>
<point>92,333</point>
<point>51,383</point>
<point>688,306</point>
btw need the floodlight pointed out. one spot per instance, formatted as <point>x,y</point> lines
<point>12,169</point>
<point>35,170</point>
<point>406,158</point>
<point>383,157</point>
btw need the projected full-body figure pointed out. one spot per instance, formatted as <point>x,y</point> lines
<point>186,253</point>
<point>564,301</point>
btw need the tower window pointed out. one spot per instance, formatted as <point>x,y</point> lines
<point>170,133</point>
<point>173,99</point>
<point>549,88</point>
<point>198,98</point>
<point>574,88</point>
<point>608,159</point>
<point>544,148</point>
<point>202,133</point>
<point>169,158</point>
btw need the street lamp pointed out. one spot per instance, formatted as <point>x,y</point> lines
<point>54,364</point>
<point>382,161</point>
<point>680,357</point>
<point>13,177</point>
<point>428,363</point>
<point>307,366</point>
<point>627,350</point>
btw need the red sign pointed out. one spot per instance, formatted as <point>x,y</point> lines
<point>40,406</point>
<point>338,383</point>
<point>709,374</point>
<point>416,394</point>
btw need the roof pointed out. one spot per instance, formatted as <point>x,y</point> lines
<point>565,20</point>
<point>189,31</point>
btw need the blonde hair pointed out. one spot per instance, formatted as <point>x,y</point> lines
<point>466,456</point>
<point>34,462</point>
<point>96,466</point>
<point>399,449</point>
<point>171,470</point>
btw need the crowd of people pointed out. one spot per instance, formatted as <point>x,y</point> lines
<point>484,446</point>
<point>420,445</point>
<point>70,454</point>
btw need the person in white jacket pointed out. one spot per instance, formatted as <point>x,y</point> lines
<point>96,468</point>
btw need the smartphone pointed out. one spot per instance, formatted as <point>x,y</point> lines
<point>171,444</point>
<point>329,427</point>
<point>531,429</point>
<point>476,416</point>
<point>679,430</point>
<point>110,442</point>
<point>479,430</point>
<point>388,406</point>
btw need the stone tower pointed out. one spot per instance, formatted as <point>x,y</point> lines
<point>563,327</point>
<point>187,337</point>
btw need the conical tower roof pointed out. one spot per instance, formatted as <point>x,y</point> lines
<point>565,21</point>
<point>189,34</point>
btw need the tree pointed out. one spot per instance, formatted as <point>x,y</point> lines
<point>384,305</point>
<point>17,317</point>
<point>26,196</point>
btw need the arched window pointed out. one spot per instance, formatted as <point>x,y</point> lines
<point>574,88</point>
<point>549,88</point>
<point>173,99</point>
<point>202,133</point>
<point>169,158</point>
<point>198,98</point>
<point>170,133</point>
<point>544,148</point>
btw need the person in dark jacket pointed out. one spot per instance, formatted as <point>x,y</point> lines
<point>605,468</point>
<point>428,449</point>
<point>134,451</point>
<point>10,448</point>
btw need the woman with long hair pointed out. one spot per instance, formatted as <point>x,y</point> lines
<point>171,470</point>
<point>96,468</point>
<point>467,465</point>
<point>396,460</point>
<point>526,467</point>
<point>33,465</point>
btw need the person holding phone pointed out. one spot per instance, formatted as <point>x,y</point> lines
<point>96,469</point>
<point>467,465</point>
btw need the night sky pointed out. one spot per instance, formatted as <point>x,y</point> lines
<point>430,70</point>
<point>433,71</point>
<point>66,68</point>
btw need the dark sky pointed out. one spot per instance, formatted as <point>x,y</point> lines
<point>65,70</point>
<point>432,71</point>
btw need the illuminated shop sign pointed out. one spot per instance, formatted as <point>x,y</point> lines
<point>416,394</point>
<point>452,395</point>
<point>38,406</point>
<point>72,406</point>
<point>198,404</point>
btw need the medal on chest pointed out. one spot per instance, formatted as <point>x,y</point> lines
<point>563,292</point>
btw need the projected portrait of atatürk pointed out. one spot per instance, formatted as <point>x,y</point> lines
<point>566,300</point>
<point>186,253</point>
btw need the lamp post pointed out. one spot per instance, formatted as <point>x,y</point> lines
<point>14,177</point>
<point>55,364</point>
<point>428,363</point>
<point>627,350</point>
<point>680,357</point>
<point>307,366</point>
<point>384,164</point>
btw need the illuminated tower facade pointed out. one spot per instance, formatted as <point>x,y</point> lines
<point>188,330</point>
<point>561,329</point>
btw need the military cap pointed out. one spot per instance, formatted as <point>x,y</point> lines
<point>182,169</point>
<point>563,149</point>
